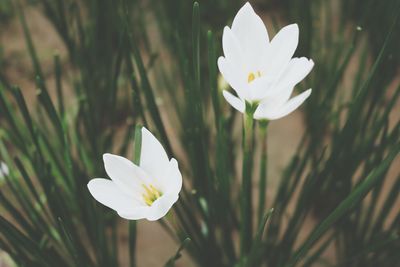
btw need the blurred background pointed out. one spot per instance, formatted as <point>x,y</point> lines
<point>87,71</point>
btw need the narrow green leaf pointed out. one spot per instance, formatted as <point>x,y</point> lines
<point>173,259</point>
<point>357,195</point>
<point>212,63</point>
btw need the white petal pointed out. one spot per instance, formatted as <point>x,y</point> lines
<point>109,194</point>
<point>263,112</point>
<point>251,33</point>
<point>161,206</point>
<point>137,213</point>
<point>281,50</point>
<point>125,174</point>
<point>156,211</point>
<point>232,49</point>
<point>295,72</point>
<point>234,101</point>
<point>233,76</point>
<point>171,181</point>
<point>153,158</point>
<point>269,105</point>
<point>259,88</point>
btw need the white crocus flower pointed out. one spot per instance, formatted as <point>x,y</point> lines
<point>136,192</point>
<point>262,72</point>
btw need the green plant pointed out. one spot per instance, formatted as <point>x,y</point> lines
<point>53,145</point>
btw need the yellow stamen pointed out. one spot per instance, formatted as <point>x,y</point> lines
<point>151,194</point>
<point>252,76</point>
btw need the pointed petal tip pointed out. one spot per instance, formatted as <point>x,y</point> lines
<point>106,156</point>
<point>109,157</point>
<point>291,30</point>
<point>146,133</point>
<point>144,130</point>
<point>174,161</point>
<point>153,157</point>
<point>247,6</point>
<point>89,184</point>
<point>311,62</point>
<point>295,26</point>
<point>96,185</point>
<point>94,181</point>
<point>307,60</point>
<point>220,61</point>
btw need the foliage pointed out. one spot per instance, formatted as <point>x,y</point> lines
<point>121,78</point>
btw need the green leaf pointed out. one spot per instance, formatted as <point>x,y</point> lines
<point>346,205</point>
<point>173,259</point>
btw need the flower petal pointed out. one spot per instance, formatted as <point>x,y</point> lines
<point>156,211</point>
<point>251,33</point>
<point>125,174</point>
<point>234,101</point>
<point>171,181</point>
<point>136,213</point>
<point>153,158</point>
<point>263,112</point>
<point>161,206</point>
<point>259,88</point>
<point>233,76</point>
<point>295,72</point>
<point>270,104</point>
<point>232,49</point>
<point>281,50</point>
<point>109,194</point>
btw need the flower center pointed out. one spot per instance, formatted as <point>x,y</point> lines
<point>151,194</point>
<point>252,76</point>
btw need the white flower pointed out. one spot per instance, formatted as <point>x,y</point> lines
<point>262,72</point>
<point>3,170</point>
<point>137,192</point>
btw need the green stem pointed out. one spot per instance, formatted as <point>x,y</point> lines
<point>132,243</point>
<point>132,224</point>
<point>263,170</point>
<point>246,203</point>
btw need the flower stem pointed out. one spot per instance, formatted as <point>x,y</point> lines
<point>246,200</point>
<point>263,170</point>
<point>132,243</point>
<point>132,224</point>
